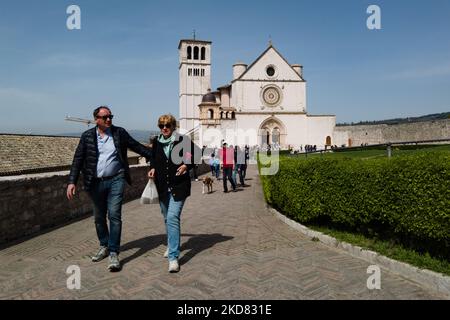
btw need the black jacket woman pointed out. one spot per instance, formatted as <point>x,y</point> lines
<point>173,156</point>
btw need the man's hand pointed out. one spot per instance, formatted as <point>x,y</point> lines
<point>151,174</point>
<point>181,170</point>
<point>71,189</point>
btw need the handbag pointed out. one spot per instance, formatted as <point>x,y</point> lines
<point>150,193</point>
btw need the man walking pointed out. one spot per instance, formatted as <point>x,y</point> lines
<point>241,160</point>
<point>101,156</point>
<point>227,161</point>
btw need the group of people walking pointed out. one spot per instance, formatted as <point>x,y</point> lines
<point>233,161</point>
<point>101,156</point>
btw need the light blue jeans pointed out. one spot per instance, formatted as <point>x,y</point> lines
<point>171,211</point>
<point>234,173</point>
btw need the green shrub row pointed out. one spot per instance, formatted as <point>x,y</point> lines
<point>405,198</point>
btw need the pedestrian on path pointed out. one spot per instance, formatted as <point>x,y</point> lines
<point>173,156</point>
<point>102,157</point>
<point>227,163</point>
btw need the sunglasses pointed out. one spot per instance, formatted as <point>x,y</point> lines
<point>106,117</point>
<point>167,125</point>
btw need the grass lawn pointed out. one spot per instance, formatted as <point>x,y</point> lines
<point>374,153</point>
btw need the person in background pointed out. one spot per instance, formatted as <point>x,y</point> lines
<point>242,158</point>
<point>211,164</point>
<point>216,165</point>
<point>227,164</point>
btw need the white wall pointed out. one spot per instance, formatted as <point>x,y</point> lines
<point>319,127</point>
<point>271,57</point>
<point>192,88</point>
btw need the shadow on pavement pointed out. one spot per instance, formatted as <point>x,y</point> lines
<point>198,243</point>
<point>144,245</point>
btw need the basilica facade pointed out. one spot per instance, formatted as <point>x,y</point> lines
<point>264,104</point>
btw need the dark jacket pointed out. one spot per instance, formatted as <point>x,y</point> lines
<point>184,152</point>
<point>86,156</point>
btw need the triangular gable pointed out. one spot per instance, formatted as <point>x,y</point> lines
<point>256,70</point>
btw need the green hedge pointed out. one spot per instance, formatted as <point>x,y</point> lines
<point>405,198</point>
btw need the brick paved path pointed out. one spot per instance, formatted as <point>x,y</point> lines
<point>232,248</point>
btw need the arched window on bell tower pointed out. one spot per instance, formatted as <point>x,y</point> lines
<point>195,53</point>
<point>210,113</point>
<point>203,53</point>
<point>189,52</point>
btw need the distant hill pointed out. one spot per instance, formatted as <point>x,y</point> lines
<point>140,135</point>
<point>428,117</point>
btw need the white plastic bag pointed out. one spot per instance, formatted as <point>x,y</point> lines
<point>150,194</point>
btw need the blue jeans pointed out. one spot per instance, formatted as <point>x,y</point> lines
<point>107,197</point>
<point>234,173</point>
<point>241,169</point>
<point>217,171</point>
<point>171,211</point>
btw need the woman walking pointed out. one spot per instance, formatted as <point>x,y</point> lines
<point>173,157</point>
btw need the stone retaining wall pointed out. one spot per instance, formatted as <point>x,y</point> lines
<point>33,203</point>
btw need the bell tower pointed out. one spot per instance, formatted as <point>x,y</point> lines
<point>195,80</point>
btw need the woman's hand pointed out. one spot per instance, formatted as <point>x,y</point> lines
<point>151,174</point>
<point>181,170</point>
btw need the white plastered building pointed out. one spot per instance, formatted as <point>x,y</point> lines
<point>264,103</point>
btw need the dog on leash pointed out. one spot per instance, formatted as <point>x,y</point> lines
<point>207,182</point>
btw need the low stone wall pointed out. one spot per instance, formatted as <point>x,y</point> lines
<point>33,203</point>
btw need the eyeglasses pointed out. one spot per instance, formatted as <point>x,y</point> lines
<point>110,116</point>
<point>167,125</point>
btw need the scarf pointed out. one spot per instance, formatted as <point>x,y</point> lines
<point>167,143</point>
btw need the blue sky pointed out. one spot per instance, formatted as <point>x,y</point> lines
<point>126,56</point>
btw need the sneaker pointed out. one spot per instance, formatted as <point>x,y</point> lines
<point>166,253</point>
<point>101,254</point>
<point>174,266</point>
<point>114,263</point>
